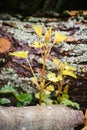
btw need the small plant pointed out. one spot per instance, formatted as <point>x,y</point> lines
<point>44,83</point>
<point>62,71</point>
<point>23,99</point>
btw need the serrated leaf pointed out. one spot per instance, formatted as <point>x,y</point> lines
<point>45,96</point>
<point>48,35</point>
<point>5,101</point>
<point>56,62</point>
<point>70,68</point>
<point>67,102</point>
<point>43,104</point>
<point>37,95</point>
<point>50,88</point>
<point>20,104</point>
<point>37,45</point>
<point>35,81</point>
<point>62,66</point>
<point>47,92</point>
<point>24,97</point>
<point>69,73</point>
<point>60,78</point>
<point>38,30</point>
<point>64,96</point>
<point>20,54</point>
<point>59,37</point>
<point>66,89</point>
<point>48,101</point>
<point>7,89</point>
<point>52,77</point>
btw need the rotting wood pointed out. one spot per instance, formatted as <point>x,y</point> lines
<point>55,117</point>
<point>5,45</point>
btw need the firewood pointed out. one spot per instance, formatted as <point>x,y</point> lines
<point>55,117</point>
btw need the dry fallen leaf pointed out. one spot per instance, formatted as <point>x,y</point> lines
<point>73,13</point>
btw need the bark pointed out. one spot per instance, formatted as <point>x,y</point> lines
<point>56,117</point>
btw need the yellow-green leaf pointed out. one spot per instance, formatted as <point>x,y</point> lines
<point>59,37</point>
<point>48,35</point>
<point>20,54</point>
<point>70,68</point>
<point>50,88</point>
<point>48,101</point>
<point>47,92</point>
<point>43,104</point>
<point>38,30</point>
<point>37,95</point>
<point>52,77</point>
<point>35,81</point>
<point>69,73</point>
<point>60,77</point>
<point>37,45</point>
<point>66,89</point>
<point>62,66</point>
<point>56,62</point>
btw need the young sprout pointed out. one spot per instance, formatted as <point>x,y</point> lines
<point>62,68</point>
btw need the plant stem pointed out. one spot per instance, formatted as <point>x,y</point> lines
<point>42,83</point>
<point>30,67</point>
<point>59,91</point>
<point>50,48</point>
<point>47,84</point>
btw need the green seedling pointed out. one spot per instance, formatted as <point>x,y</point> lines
<point>62,71</point>
<point>23,99</point>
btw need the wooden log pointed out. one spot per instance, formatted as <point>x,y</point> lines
<point>55,117</point>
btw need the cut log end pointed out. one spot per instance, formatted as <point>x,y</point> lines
<point>5,45</point>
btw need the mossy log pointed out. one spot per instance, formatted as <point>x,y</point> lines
<point>56,117</point>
